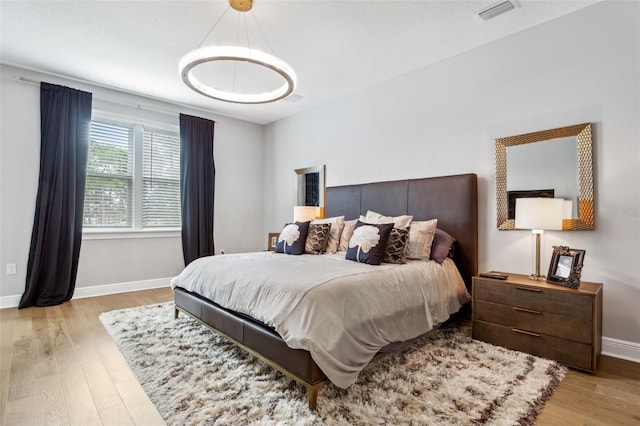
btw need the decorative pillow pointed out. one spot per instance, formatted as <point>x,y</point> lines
<point>317,238</point>
<point>368,242</point>
<point>399,221</point>
<point>421,235</point>
<point>293,238</point>
<point>337,224</point>
<point>347,232</point>
<point>442,246</point>
<point>396,250</point>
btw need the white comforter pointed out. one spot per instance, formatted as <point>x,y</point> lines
<point>342,312</point>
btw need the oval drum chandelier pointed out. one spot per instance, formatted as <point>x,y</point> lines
<point>231,53</point>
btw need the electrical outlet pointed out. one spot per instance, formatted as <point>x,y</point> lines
<point>11,268</point>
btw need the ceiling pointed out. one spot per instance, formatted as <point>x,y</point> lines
<point>335,47</point>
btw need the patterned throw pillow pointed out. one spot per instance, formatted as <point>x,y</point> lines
<point>333,241</point>
<point>293,238</point>
<point>368,242</point>
<point>317,238</point>
<point>396,250</point>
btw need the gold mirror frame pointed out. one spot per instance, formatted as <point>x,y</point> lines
<point>586,220</point>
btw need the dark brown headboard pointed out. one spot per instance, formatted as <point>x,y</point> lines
<point>453,200</point>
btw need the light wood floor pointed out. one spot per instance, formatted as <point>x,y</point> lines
<point>58,365</point>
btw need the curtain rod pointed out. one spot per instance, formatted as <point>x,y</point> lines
<point>121,102</point>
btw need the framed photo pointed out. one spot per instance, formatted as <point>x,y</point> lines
<point>272,241</point>
<point>566,266</point>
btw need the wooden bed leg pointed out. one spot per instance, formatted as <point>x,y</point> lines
<point>312,393</point>
<point>176,311</point>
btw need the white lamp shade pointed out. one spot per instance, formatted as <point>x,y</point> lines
<point>539,213</point>
<point>304,213</point>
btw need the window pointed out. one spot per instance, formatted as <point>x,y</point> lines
<point>133,177</point>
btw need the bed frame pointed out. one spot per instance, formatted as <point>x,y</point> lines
<point>453,200</point>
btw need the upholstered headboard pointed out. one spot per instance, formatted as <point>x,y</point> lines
<point>453,200</point>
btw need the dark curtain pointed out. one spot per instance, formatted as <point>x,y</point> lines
<point>197,186</point>
<point>65,119</point>
<point>312,188</point>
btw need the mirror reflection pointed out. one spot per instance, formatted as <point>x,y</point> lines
<point>551,163</point>
<point>310,186</point>
<point>543,169</point>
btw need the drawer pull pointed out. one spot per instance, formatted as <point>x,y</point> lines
<point>517,330</point>
<point>537,290</point>
<point>530,311</point>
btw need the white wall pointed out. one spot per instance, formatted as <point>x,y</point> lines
<point>238,155</point>
<point>443,119</point>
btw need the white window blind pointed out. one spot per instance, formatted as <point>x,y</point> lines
<point>160,179</point>
<point>133,178</point>
<point>109,187</point>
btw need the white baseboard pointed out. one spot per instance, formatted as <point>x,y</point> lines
<point>621,349</point>
<point>98,290</point>
<point>10,301</point>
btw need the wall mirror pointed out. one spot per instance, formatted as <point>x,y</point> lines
<point>550,163</point>
<point>310,186</point>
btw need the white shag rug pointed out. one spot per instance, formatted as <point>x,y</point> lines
<point>194,376</point>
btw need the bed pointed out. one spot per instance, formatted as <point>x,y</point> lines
<point>450,199</point>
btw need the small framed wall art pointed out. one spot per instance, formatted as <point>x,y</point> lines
<point>566,266</point>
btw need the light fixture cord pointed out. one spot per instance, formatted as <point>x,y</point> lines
<point>246,30</point>
<point>261,32</point>
<point>214,25</point>
<point>235,63</point>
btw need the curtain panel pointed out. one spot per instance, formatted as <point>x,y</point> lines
<point>197,186</point>
<point>65,119</point>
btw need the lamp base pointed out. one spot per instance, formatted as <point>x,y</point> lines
<point>537,277</point>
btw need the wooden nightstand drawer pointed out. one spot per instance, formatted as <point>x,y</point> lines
<point>542,322</point>
<point>535,298</point>
<point>574,354</point>
<point>543,319</point>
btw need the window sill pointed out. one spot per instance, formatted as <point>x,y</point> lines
<point>121,234</point>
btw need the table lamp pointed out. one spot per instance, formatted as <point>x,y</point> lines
<point>305,213</point>
<point>539,215</point>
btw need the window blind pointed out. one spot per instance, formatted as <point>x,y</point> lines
<point>109,187</point>
<point>160,179</point>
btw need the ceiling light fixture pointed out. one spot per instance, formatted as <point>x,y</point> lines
<point>206,54</point>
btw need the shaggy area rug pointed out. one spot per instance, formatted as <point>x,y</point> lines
<point>194,376</point>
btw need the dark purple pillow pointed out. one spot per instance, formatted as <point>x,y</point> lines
<point>368,242</point>
<point>441,246</point>
<point>292,238</point>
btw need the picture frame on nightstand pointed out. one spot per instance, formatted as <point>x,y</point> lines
<point>565,268</point>
<point>272,241</point>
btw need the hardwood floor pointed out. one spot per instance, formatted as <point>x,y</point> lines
<point>58,365</point>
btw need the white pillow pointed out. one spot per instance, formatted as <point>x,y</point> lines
<point>347,232</point>
<point>398,221</point>
<point>337,224</point>
<point>421,235</point>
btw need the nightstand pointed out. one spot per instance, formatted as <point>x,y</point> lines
<point>539,318</point>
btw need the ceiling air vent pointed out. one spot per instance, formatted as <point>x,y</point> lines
<point>496,9</point>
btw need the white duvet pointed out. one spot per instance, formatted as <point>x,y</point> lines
<point>342,312</point>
